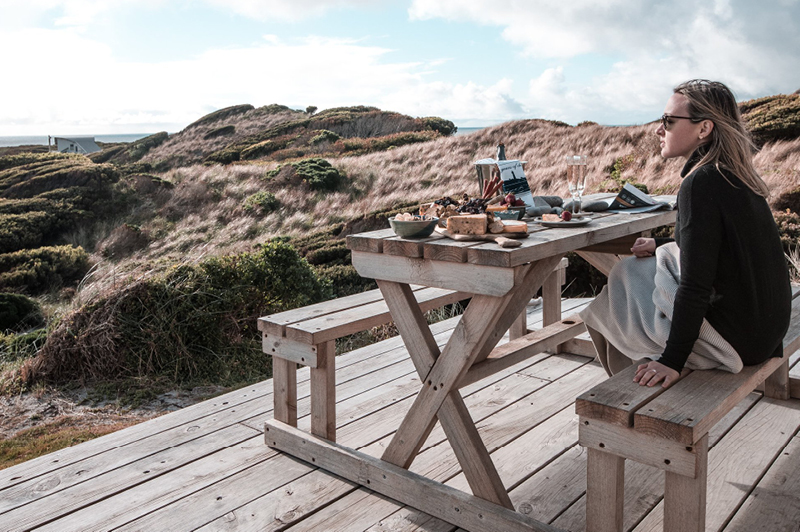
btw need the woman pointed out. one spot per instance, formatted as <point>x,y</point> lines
<point>718,296</point>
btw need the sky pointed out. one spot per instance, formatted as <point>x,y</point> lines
<point>143,66</point>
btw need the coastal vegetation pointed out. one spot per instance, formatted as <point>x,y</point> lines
<point>150,262</point>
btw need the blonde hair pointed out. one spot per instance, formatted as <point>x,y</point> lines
<point>730,146</point>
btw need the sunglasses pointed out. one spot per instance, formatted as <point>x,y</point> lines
<point>667,120</point>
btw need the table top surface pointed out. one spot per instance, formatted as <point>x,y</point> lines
<point>541,241</point>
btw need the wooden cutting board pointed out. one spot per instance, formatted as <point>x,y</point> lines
<point>504,240</point>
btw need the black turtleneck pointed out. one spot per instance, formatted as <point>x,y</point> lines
<point>733,270</point>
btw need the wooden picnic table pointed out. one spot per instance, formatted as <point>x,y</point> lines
<point>502,281</point>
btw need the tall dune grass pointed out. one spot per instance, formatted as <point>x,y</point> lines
<point>205,213</point>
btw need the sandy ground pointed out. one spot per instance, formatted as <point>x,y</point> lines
<point>28,410</point>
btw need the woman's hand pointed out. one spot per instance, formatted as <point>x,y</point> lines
<point>654,372</point>
<point>644,247</point>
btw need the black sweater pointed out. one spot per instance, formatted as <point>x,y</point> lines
<point>733,270</point>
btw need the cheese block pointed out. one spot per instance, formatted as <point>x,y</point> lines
<point>467,224</point>
<point>551,218</point>
<point>515,226</point>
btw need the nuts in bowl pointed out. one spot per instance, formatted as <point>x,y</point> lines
<point>408,225</point>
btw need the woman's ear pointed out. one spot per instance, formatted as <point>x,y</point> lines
<point>706,126</point>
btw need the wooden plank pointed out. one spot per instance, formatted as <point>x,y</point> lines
<point>275,323</point>
<point>690,407</point>
<point>284,376</point>
<point>323,393</point>
<point>794,387</point>
<point>447,250</point>
<point>353,320</point>
<point>738,461</point>
<point>773,504</point>
<point>603,262</point>
<point>605,488</point>
<point>451,505</point>
<point>72,488</point>
<point>551,299</point>
<point>618,246</point>
<point>579,346</point>
<point>288,349</point>
<point>245,465</point>
<point>615,400</point>
<point>406,247</point>
<point>370,242</point>
<point>685,496</point>
<point>518,350</point>
<point>628,443</point>
<point>451,275</point>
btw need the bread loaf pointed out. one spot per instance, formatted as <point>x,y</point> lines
<point>467,224</point>
<point>551,218</point>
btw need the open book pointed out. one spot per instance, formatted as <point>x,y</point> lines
<point>631,199</point>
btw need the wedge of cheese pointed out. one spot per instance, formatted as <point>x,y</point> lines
<point>467,224</point>
<point>515,226</point>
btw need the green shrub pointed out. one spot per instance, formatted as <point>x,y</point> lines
<point>264,148</point>
<point>789,229</point>
<point>359,146</point>
<point>16,347</point>
<point>194,324</point>
<point>18,312</point>
<point>440,125</point>
<point>220,132</point>
<point>40,270</point>
<point>323,135</point>
<point>773,117</point>
<point>318,173</point>
<point>262,201</point>
<point>228,155</point>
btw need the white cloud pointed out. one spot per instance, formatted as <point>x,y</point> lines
<point>752,47</point>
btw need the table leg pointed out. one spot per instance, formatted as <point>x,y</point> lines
<point>458,426</point>
<point>478,331</point>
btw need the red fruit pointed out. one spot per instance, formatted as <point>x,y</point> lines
<point>510,198</point>
<point>566,216</point>
<point>519,203</point>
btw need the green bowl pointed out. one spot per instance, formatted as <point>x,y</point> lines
<point>413,228</point>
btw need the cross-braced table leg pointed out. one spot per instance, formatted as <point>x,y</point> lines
<point>480,328</point>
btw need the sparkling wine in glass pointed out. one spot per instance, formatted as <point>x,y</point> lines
<point>576,179</point>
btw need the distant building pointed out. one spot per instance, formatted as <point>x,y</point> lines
<point>75,145</point>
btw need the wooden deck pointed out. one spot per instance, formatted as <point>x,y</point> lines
<point>207,468</point>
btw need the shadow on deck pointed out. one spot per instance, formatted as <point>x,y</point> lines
<point>207,467</point>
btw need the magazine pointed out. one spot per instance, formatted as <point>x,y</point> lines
<point>514,180</point>
<point>630,199</point>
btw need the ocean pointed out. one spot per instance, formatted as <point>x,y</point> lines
<point>42,140</point>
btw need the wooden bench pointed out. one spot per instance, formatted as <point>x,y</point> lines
<point>308,335</point>
<point>667,429</point>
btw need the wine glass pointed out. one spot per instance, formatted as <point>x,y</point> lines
<point>576,179</point>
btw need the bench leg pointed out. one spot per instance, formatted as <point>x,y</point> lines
<point>605,491</point>
<point>777,385</point>
<point>551,302</point>
<point>519,328</point>
<point>685,498</point>
<point>284,390</point>
<point>323,392</point>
